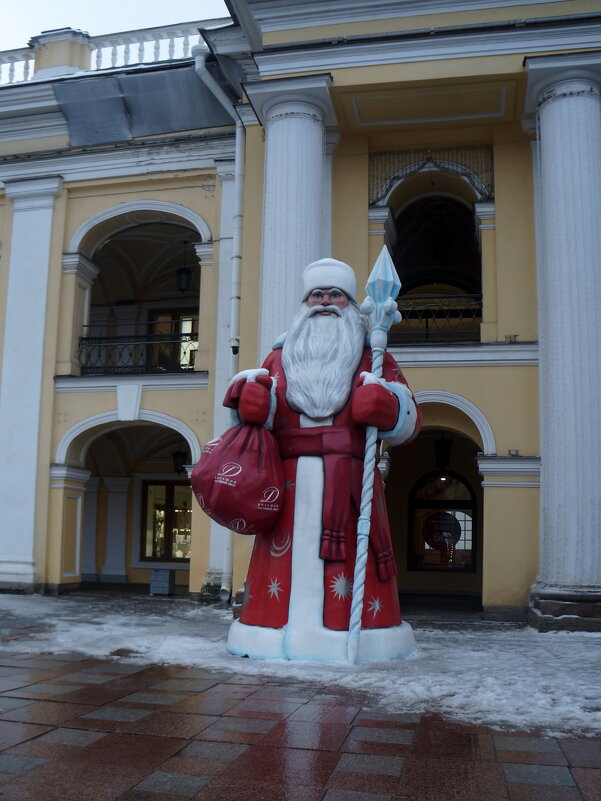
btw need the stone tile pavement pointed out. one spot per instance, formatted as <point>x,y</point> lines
<point>80,729</point>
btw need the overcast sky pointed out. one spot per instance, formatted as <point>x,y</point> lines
<point>96,18</point>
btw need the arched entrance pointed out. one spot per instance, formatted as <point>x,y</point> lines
<point>136,502</point>
<point>434,498</point>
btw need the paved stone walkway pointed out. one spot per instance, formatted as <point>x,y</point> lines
<point>80,729</point>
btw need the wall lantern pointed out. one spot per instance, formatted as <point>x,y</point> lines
<point>183,274</point>
<point>179,461</point>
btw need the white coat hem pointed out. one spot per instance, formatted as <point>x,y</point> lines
<point>375,645</point>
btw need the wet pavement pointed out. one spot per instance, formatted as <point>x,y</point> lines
<point>74,728</point>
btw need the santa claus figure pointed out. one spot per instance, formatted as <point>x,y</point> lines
<point>316,393</point>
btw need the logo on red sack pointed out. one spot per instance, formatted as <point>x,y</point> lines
<point>270,494</point>
<point>211,445</point>
<point>267,502</point>
<point>238,524</point>
<point>227,473</point>
<point>200,499</point>
<point>230,469</point>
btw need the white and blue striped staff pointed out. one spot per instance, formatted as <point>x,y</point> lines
<point>380,310</point>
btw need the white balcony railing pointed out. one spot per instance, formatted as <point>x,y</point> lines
<point>144,46</point>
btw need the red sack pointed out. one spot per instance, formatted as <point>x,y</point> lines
<point>239,479</point>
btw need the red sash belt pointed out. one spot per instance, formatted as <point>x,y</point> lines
<point>337,446</point>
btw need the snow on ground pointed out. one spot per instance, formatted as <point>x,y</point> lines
<point>498,675</point>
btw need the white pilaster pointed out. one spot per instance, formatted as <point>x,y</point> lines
<point>569,286</point>
<point>332,139</point>
<point>89,570</point>
<point>220,563</point>
<point>295,113</point>
<point>114,569</point>
<point>22,366</point>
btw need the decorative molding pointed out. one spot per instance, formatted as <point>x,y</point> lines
<point>32,98</point>
<point>274,16</point>
<point>105,418</point>
<point>129,397</point>
<point>199,154</point>
<point>34,126</point>
<point>571,87</point>
<point>518,354</point>
<point>66,476</point>
<point>160,206</point>
<point>104,383</point>
<point>34,193</point>
<point>509,465</point>
<point>204,253</point>
<point>81,266</point>
<point>311,90</point>
<point>545,71</point>
<point>468,408</point>
<point>444,45</point>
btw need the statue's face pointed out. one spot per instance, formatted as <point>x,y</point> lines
<point>327,297</point>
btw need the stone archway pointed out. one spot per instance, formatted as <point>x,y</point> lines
<point>105,466</point>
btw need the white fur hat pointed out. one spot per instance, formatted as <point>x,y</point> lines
<point>327,273</point>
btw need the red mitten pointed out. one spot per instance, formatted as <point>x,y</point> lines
<point>374,405</point>
<point>251,399</point>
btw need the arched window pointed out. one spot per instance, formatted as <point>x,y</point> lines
<point>438,261</point>
<point>442,526</point>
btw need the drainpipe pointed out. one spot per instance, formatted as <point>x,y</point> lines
<point>200,57</point>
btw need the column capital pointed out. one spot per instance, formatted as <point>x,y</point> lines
<point>311,90</point>
<point>204,253</point>
<point>551,77</point>
<point>66,476</point>
<point>80,265</point>
<point>34,193</point>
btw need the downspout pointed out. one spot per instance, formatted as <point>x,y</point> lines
<point>200,57</point>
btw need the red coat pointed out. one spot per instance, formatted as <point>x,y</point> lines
<point>269,580</point>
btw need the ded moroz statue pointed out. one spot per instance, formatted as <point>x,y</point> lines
<point>317,394</point>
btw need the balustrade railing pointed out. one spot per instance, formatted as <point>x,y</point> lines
<point>138,353</point>
<point>144,46</point>
<point>16,65</point>
<point>438,319</point>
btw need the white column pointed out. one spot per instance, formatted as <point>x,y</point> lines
<point>114,569</point>
<point>22,367</point>
<point>295,113</point>
<point>569,285</point>
<point>89,569</point>
<point>221,543</point>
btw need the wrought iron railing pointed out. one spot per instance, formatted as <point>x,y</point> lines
<point>438,319</point>
<point>138,353</point>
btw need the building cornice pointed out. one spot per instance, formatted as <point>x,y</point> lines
<point>34,126</point>
<point>493,355</point>
<point>105,383</point>
<point>283,15</point>
<point>428,46</point>
<point>199,154</point>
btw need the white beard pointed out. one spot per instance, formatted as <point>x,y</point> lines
<point>320,356</point>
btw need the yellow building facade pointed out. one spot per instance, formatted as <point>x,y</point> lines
<point>158,204</point>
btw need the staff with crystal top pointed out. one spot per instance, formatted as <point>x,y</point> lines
<point>318,394</point>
